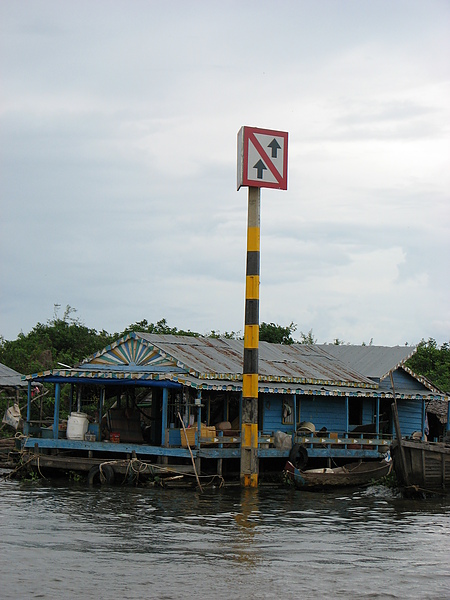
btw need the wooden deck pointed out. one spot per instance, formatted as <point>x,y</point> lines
<point>343,445</point>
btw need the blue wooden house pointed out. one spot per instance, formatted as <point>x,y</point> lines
<point>165,399</point>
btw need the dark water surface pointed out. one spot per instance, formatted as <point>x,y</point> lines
<point>69,541</point>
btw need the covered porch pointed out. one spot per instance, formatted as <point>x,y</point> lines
<point>158,423</point>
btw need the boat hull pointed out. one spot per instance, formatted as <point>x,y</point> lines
<point>350,475</point>
<point>427,466</point>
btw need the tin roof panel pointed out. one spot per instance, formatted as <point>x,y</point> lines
<point>375,362</point>
<point>10,378</point>
<point>224,357</point>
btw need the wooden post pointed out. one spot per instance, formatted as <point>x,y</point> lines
<point>448,416</point>
<point>220,460</point>
<point>377,417</point>
<point>70,398</point>
<point>198,460</point>
<point>101,403</point>
<point>164,411</point>
<point>346,414</point>
<point>56,412</point>
<point>29,403</point>
<point>26,427</point>
<point>295,415</point>
<point>424,418</point>
<point>190,452</point>
<point>164,460</point>
<point>249,440</point>
<point>398,432</point>
<point>79,391</point>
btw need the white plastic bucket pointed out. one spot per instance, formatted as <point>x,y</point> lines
<point>77,426</point>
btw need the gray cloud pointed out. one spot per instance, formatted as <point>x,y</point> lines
<point>118,181</point>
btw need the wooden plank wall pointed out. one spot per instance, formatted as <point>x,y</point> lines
<point>330,412</point>
<point>272,407</point>
<point>410,416</point>
<point>368,410</point>
<point>323,411</point>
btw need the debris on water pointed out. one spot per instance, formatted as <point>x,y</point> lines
<point>380,491</point>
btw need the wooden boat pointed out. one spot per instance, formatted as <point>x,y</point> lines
<point>421,466</point>
<point>352,474</point>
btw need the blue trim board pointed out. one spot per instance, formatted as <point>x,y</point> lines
<point>203,452</point>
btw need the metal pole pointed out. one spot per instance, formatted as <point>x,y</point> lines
<point>249,432</point>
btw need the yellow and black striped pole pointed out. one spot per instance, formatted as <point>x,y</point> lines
<point>249,434</point>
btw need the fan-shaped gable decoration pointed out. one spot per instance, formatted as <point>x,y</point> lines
<point>131,351</point>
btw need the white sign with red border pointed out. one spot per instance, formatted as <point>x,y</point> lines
<point>262,158</point>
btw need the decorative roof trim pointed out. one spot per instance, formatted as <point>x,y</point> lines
<point>226,385</point>
<point>137,352</point>
<point>423,380</point>
<point>141,374</point>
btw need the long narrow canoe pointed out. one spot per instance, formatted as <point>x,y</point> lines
<point>352,474</point>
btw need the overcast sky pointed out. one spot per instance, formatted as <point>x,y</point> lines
<point>118,164</point>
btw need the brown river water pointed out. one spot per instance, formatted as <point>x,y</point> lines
<point>64,540</point>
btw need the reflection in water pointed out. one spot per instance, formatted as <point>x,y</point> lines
<point>247,521</point>
<point>69,541</point>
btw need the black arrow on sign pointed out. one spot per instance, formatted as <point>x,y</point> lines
<point>275,147</point>
<point>260,166</point>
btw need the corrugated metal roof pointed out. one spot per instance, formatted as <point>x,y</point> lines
<point>375,362</point>
<point>216,364</point>
<point>222,359</point>
<point>10,378</point>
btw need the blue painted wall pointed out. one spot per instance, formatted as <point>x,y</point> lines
<point>403,382</point>
<point>272,407</point>
<point>323,411</point>
<point>329,412</point>
<point>369,408</point>
<point>410,416</point>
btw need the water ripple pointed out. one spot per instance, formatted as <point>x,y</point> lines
<point>81,543</point>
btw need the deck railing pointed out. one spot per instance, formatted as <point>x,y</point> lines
<point>345,440</point>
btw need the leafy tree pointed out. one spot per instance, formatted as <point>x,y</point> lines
<point>228,335</point>
<point>66,341</point>
<point>276,334</point>
<point>160,327</point>
<point>307,338</point>
<point>433,363</point>
<point>61,341</point>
